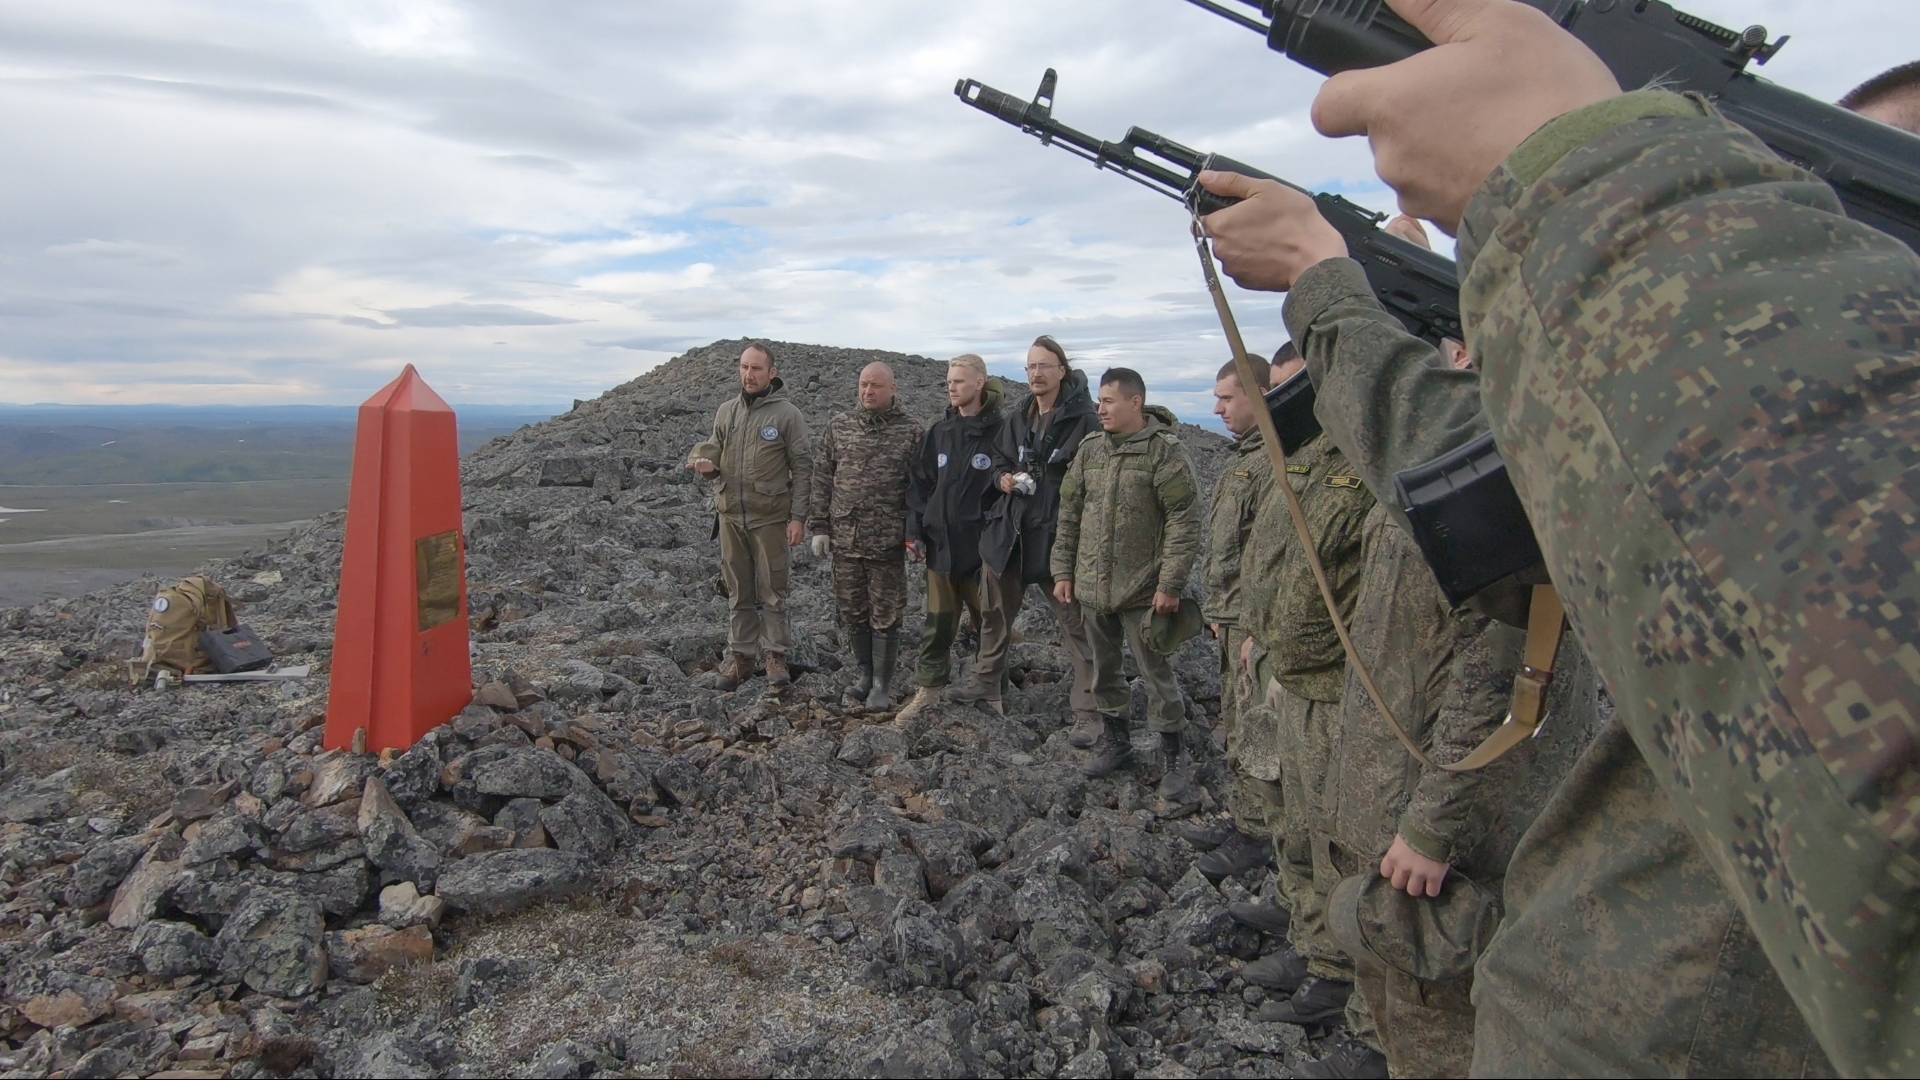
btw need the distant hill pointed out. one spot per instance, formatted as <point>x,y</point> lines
<point>153,444</point>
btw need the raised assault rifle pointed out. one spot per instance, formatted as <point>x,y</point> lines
<point>1419,287</point>
<point>1872,167</point>
<point>1465,515</point>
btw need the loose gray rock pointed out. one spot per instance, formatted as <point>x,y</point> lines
<point>102,869</point>
<point>928,948</point>
<point>528,773</point>
<point>497,882</point>
<point>168,950</point>
<point>585,823</point>
<point>273,942</point>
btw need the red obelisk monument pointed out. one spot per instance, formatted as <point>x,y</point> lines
<point>400,642</point>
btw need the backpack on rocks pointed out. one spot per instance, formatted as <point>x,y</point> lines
<point>175,620</point>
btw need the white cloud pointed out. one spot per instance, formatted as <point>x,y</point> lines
<point>287,201</point>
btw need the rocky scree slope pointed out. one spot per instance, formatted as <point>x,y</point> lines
<point>606,865</point>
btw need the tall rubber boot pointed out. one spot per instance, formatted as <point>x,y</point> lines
<point>863,656</point>
<point>886,649</point>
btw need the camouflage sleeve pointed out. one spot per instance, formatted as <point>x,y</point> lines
<point>799,462</point>
<point>1385,397</point>
<point>1448,812</point>
<point>1703,378</point>
<point>1179,501</point>
<point>820,502</point>
<point>1307,653</point>
<point>1066,535</point>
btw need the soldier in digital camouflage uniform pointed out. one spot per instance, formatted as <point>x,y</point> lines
<point>1295,654</point>
<point>1622,949</point>
<point>859,513</point>
<point>1444,837</point>
<point>1129,530</point>
<point>1246,481</point>
<point>760,471</point>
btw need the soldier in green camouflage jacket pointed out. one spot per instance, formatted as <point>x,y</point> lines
<point>1128,532</point>
<point>1718,461</point>
<point>1296,656</point>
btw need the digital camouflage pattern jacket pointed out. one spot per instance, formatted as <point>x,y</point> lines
<point>1236,498</point>
<point>1448,677</point>
<point>1129,517</point>
<point>765,471</point>
<point>859,496</point>
<point>1286,615</point>
<point>1620,950</point>
<point>1704,379</point>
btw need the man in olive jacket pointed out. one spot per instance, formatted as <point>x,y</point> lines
<point>1128,533</point>
<point>758,461</point>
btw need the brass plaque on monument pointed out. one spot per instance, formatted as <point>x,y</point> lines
<point>436,570</point>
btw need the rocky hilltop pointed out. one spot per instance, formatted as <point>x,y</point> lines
<point>606,865</point>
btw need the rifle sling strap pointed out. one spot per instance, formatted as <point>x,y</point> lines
<point>1546,618</point>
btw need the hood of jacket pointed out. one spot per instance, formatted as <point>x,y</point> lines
<point>776,391</point>
<point>1159,418</point>
<point>990,401</point>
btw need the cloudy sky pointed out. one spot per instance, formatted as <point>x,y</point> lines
<point>277,201</point>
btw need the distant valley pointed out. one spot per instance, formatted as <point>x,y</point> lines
<point>92,495</point>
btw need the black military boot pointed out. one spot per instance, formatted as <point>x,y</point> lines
<point>1238,855</point>
<point>863,656</point>
<point>1348,1057</point>
<point>886,649</point>
<point>1204,836</point>
<point>1283,971</point>
<point>1176,779</point>
<point>1262,916</point>
<point>1316,1001</point>
<point>1112,751</point>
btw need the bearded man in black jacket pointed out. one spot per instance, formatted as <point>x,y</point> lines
<point>1036,444</point>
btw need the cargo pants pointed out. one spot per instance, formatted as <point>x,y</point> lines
<point>753,563</point>
<point>1001,598</point>
<point>1107,631</point>
<point>945,597</point>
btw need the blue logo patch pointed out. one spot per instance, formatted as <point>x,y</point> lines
<point>943,461</point>
<point>769,433</point>
<point>981,461</point>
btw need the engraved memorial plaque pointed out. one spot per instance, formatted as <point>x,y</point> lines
<point>436,561</point>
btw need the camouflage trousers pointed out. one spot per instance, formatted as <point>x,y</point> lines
<point>945,598</point>
<point>1306,728</point>
<point>1106,632</point>
<point>1254,802</point>
<point>753,564</point>
<point>870,592</point>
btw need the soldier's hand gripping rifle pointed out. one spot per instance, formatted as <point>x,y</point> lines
<point>1419,287</point>
<point>1462,507</point>
<point>1465,514</point>
<point>1872,167</point>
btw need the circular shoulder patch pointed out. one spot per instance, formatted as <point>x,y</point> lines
<point>160,603</point>
<point>769,433</point>
<point>981,461</point>
<point>943,461</point>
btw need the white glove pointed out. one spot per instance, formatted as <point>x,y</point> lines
<point>821,545</point>
<point>1023,483</point>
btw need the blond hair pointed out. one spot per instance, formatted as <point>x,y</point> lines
<point>971,363</point>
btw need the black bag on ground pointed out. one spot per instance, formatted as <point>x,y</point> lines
<point>238,649</point>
